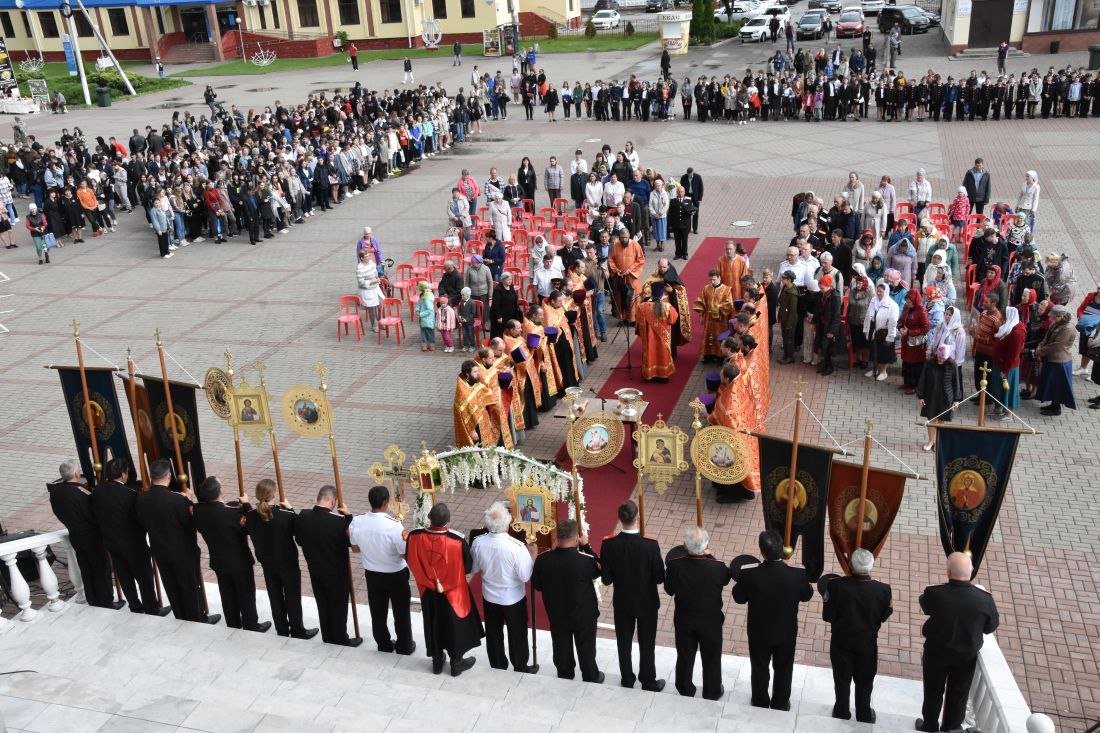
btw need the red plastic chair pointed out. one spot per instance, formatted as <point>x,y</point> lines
<point>569,223</point>
<point>404,281</point>
<point>969,232</point>
<point>437,251</point>
<point>548,212</point>
<point>482,211</point>
<point>529,206</point>
<point>520,237</point>
<point>909,217</point>
<point>516,273</point>
<point>904,207</point>
<point>475,222</point>
<point>978,219</point>
<point>538,223</point>
<point>556,236</point>
<point>940,221</point>
<point>936,208</point>
<point>971,285</point>
<point>479,317</point>
<point>560,205</point>
<point>420,262</point>
<point>456,258</point>
<point>474,246</point>
<point>1006,224</point>
<point>531,293</point>
<point>582,230</point>
<point>435,273</point>
<point>391,318</point>
<point>347,315</point>
<point>522,259</point>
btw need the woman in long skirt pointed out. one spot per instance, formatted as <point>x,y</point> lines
<point>1056,351</point>
<point>939,390</point>
<point>1004,384</point>
<point>913,330</point>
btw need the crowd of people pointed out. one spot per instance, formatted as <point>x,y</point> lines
<point>117,530</point>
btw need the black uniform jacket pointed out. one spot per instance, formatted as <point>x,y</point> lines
<point>166,516</point>
<point>857,606</point>
<point>773,591</point>
<point>115,507</point>
<point>959,613</point>
<point>274,540</point>
<point>633,564</point>
<point>72,504</point>
<point>696,582</point>
<point>564,576</point>
<point>323,535</point>
<point>222,526</point>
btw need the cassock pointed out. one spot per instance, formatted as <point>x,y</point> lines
<point>655,334</point>
<point>114,505</point>
<point>732,269</point>
<point>696,583</point>
<point>733,409</point>
<point>677,298</point>
<point>498,405</point>
<point>545,366</point>
<point>166,516</point>
<point>439,560</point>
<point>562,351</point>
<point>72,505</point>
<point>472,421</point>
<point>527,386</point>
<point>716,306</point>
<point>564,577</point>
<point>323,536</point>
<point>223,528</point>
<point>626,264</point>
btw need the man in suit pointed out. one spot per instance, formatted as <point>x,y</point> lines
<point>773,590</point>
<point>166,517</point>
<point>322,533</point>
<point>223,528</point>
<point>679,222</point>
<point>959,615</point>
<point>113,504</point>
<point>978,184</point>
<point>856,606</point>
<point>693,184</point>
<point>71,502</point>
<point>695,579</point>
<point>564,576</point>
<point>633,564</point>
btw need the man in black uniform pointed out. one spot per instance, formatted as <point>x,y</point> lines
<point>679,223</point>
<point>72,505</point>
<point>693,185</point>
<point>856,606</point>
<point>113,503</point>
<point>564,576</point>
<point>773,591</point>
<point>323,535</point>
<point>959,614</point>
<point>695,579</point>
<point>166,517</point>
<point>632,563</point>
<point>223,528</point>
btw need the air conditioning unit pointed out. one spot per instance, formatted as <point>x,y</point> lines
<point>251,3</point>
<point>265,2</point>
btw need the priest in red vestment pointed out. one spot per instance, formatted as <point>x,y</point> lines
<point>716,306</point>
<point>733,267</point>
<point>654,321</point>
<point>733,409</point>
<point>626,262</point>
<point>439,560</point>
<point>473,423</point>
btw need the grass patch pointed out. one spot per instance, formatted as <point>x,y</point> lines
<point>57,78</point>
<point>562,44</point>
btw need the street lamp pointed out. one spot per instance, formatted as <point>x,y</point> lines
<point>30,24</point>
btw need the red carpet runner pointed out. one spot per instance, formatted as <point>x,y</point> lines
<point>607,487</point>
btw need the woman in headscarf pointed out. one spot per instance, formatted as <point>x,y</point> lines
<point>937,264</point>
<point>505,306</point>
<point>880,326</point>
<point>933,303</point>
<point>875,217</point>
<point>859,297</point>
<point>500,216</point>
<point>902,257</point>
<point>1038,323</point>
<point>927,241</point>
<point>877,269</point>
<point>370,294</point>
<point>939,389</point>
<point>1060,279</point>
<point>897,287</point>
<point>913,327</point>
<point>425,313</point>
<point>1028,200</point>
<point>1004,381</point>
<point>991,285</point>
<point>866,248</point>
<point>1056,377</point>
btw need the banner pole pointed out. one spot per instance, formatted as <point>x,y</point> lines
<point>97,466</point>
<point>236,431</point>
<point>792,477</point>
<point>863,488</point>
<point>259,367</point>
<point>181,472</point>
<point>981,394</point>
<point>697,425</point>
<point>142,468</point>
<point>641,502</point>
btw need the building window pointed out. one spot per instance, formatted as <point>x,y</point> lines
<point>349,12</point>
<point>48,21</point>
<point>468,10</point>
<point>26,23</point>
<point>83,27</point>
<point>275,14</point>
<point>160,21</point>
<point>439,9</point>
<point>307,14</point>
<point>1065,15</point>
<point>5,20</point>
<point>263,18</point>
<point>119,26</point>
<point>391,10</point>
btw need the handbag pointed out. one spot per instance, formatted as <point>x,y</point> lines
<point>1093,347</point>
<point>916,340</point>
<point>880,335</point>
<point>51,240</point>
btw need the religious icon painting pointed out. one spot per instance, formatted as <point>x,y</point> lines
<point>661,449</point>
<point>885,490</point>
<point>720,454</point>
<point>216,386</point>
<point>249,411</point>
<point>596,439</point>
<point>306,411</point>
<point>532,510</point>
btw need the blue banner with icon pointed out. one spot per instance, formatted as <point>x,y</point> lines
<point>70,54</point>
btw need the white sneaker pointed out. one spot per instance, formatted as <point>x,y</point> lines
<point>1080,371</point>
<point>166,256</point>
<point>199,239</point>
<point>172,248</point>
<point>870,373</point>
<point>881,377</point>
<point>284,231</point>
<point>184,243</point>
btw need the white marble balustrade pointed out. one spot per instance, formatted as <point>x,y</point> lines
<point>21,591</point>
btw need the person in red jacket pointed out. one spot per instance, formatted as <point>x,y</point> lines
<point>215,214</point>
<point>913,330</point>
<point>1004,380</point>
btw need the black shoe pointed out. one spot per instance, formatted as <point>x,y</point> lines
<point>437,664</point>
<point>462,665</point>
<point>40,260</point>
<point>118,604</point>
<point>529,669</point>
<point>261,628</point>
<point>1051,410</point>
<point>784,707</point>
<point>919,725</point>
<point>1095,406</point>
<point>726,499</point>
<point>624,683</point>
<point>721,693</point>
<point>386,648</point>
<point>841,714</point>
<point>655,686</point>
<point>47,258</point>
<point>161,611</point>
<point>870,717</point>
<point>1094,400</point>
<point>407,652</point>
<point>599,679</point>
<point>304,633</point>
<point>212,618</point>
<point>354,642</point>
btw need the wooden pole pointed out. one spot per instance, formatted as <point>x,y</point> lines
<point>570,400</point>
<point>981,395</point>
<point>97,466</point>
<point>343,509</point>
<point>142,468</point>
<point>236,431</point>
<point>697,425</point>
<point>259,366</point>
<point>863,487</point>
<point>792,477</point>
<point>181,472</point>
<point>641,502</point>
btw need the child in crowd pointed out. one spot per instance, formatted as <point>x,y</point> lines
<point>467,312</point>
<point>445,321</point>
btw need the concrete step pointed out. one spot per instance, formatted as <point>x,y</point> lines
<point>101,670</point>
<point>189,53</point>
<point>988,53</point>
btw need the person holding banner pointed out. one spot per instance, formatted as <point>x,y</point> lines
<point>113,503</point>
<point>71,502</point>
<point>322,532</point>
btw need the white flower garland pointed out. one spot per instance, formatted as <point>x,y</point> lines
<point>498,468</point>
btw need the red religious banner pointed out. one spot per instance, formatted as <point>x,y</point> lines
<point>884,492</point>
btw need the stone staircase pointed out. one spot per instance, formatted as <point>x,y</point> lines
<point>988,53</point>
<point>93,669</point>
<point>190,53</point>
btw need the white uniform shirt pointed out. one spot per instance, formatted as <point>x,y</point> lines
<point>505,566</point>
<point>380,541</point>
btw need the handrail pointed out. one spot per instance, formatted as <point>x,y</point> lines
<point>21,592</point>
<point>996,702</point>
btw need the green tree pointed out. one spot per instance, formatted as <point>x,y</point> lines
<point>702,22</point>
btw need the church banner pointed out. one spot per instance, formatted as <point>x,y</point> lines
<point>884,493</point>
<point>810,494</point>
<point>972,471</point>
<point>185,408</point>
<point>150,448</point>
<point>110,432</point>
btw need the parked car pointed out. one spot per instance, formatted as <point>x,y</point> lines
<point>606,19</point>
<point>756,29</point>
<point>605,5</point>
<point>741,10</point>
<point>872,7</point>
<point>908,17</point>
<point>810,26</point>
<point>779,11</point>
<point>833,6</point>
<point>656,6</point>
<point>933,18</point>
<point>850,23</point>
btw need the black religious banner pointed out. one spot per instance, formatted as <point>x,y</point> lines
<point>811,492</point>
<point>972,470</point>
<point>107,417</point>
<point>185,408</point>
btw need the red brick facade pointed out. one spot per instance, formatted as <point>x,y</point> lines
<point>308,48</point>
<point>1069,40</point>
